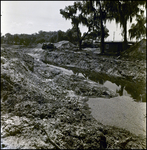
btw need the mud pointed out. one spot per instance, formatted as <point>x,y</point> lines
<point>41,103</point>
<point>121,112</point>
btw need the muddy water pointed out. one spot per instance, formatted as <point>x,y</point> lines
<point>122,112</point>
<point>136,91</point>
<point>126,111</point>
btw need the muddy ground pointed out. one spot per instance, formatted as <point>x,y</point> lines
<point>45,107</point>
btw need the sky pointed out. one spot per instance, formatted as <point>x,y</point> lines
<point>32,16</point>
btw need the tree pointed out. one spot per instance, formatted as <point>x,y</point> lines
<point>100,14</point>
<point>76,14</point>
<point>8,38</point>
<point>16,38</point>
<point>71,35</point>
<point>96,34</point>
<point>124,11</point>
<point>26,39</point>
<point>138,30</point>
<point>40,40</point>
<point>61,35</point>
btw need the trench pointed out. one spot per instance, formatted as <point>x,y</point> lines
<point>127,110</point>
<point>121,86</point>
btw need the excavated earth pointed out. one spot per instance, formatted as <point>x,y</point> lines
<point>44,105</point>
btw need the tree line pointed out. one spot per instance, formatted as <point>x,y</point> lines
<point>40,37</point>
<point>93,15</point>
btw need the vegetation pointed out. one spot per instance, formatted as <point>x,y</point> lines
<point>93,15</point>
<point>124,11</point>
<point>40,37</point>
<point>84,13</point>
<point>100,14</point>
<point>138,30</point>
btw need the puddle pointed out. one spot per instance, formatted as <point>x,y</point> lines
<point>123,87</point>
<point>120,112</point>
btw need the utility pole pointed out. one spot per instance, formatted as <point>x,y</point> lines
<point>113,36</point>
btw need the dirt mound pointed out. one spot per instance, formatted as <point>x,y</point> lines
<point>137,51</point>
<point>64,45</point>
<point>39,45</point>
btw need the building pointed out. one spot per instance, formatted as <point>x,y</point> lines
<point>115,46</point>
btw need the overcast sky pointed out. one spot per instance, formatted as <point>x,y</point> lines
<point>32,16</point>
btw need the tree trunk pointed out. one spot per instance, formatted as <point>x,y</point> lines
<point>78,36</point>
<point>125,45</point>
<point>80,43</point>
<point>102,30</point>
<point>102,39</point>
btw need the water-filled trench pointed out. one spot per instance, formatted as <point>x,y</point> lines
<point>124,87</point>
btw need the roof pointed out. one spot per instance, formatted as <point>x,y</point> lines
<point>118,42</point>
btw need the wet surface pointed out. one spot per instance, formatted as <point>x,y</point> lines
<point>123,87</point>
<point>120,111</point>
<point>135,90</point>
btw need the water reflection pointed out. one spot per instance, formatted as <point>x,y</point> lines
<point>120,91</point>
<point>121,86</point>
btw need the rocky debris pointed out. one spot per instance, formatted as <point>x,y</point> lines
<point>29,60</point>
<point>111,66</point>
<point>39,45</point>
<point>122,140</point>
<point>83,87</point>
<point>12,46</point>
<point>46,106</point>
